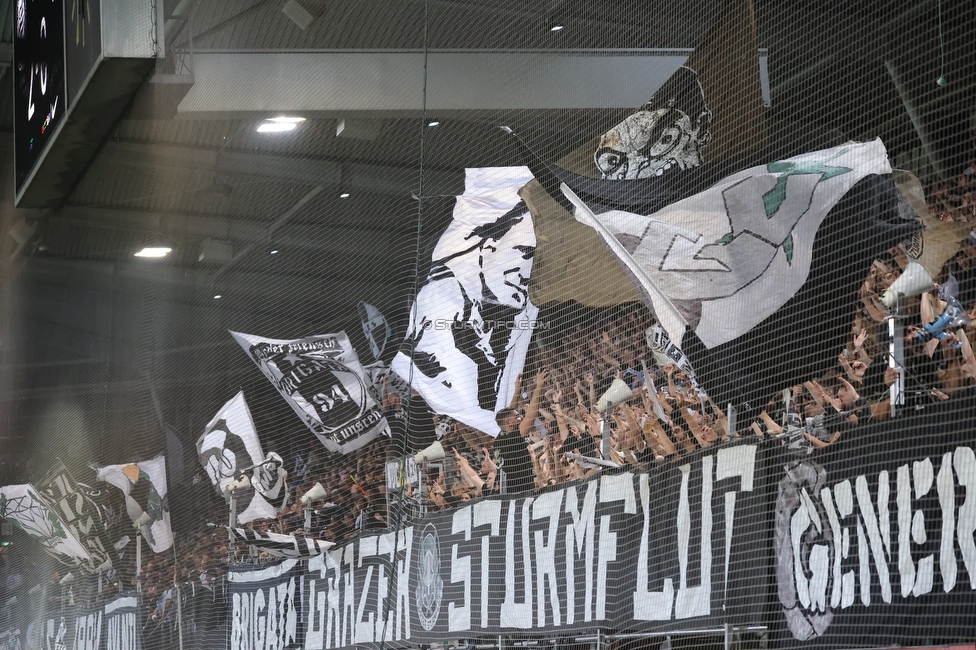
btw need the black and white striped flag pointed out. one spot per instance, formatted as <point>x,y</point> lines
<point>292,546</point>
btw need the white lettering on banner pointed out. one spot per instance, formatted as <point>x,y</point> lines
<point>459,616</point>
<point>947,502</point>
<point>649,605</point>
<point>734,462</point>
<point>820,532</point>
<point>614,487</point>
<point>351,588</point>
<point>547,506</point>
<point>878,537</point>
<point>486,513</point>
<point>54,640</point>
<point>88,631</point>
<point>579,536</point>
<point>365,628</point>
<point>122,632</point>
<point>695,601</point>
<point>265,619</point>
<point>338,616</point>
<point>10,640</point>
<point>515,614</point>
<point>964,462</point>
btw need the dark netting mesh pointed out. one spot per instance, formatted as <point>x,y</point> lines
<point>493,324</point>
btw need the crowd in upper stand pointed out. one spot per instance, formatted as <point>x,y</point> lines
<point>552,432</point>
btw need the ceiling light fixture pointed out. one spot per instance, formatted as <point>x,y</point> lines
<point>154,251</point>
<point>273,251</point>
<point>433,123</point>
<point>344,195</point>
<point>218,297</point>
<point>280,124</point>
<point>276,127</point>
<point>556,27</point>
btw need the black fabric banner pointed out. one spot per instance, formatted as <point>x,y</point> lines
<point>114,625</point>
<point>680,547</point>
<point>122,626</point>
<point>266,610</point>
<point>874,536</point>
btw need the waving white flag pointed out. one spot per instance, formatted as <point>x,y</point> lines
<point>722,261</point>
<point>229,450</point>
<point>145,489</point>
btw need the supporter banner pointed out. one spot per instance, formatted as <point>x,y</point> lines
<point>80,507</point>
<point>682,547</point>
<point>666,352</point>
<point>761,266</point>
<point>145,490</point>
<point>76,629</point>
<point>10,639</point>
<point>229,446</point>
<point>280,545</point>
<point>122,625</point>
<point>266,611</point>
<point>748,248</point>
<point>24,507</point>
<point>113,626</point>
<point>472,320</point>
<point>323,381</point>
<point>877,549</point>
<point>710,109</point>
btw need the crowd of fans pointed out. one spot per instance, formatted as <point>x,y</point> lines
<point>553,432</point>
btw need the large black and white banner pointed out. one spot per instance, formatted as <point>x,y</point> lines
<point>323,381</point>
<point>682,547</point>
<point>266,606</point>
<point>472,320</point>
<point>877,549</point>
<point>114,625</point>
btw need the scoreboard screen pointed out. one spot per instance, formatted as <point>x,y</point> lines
<point>39,79</point>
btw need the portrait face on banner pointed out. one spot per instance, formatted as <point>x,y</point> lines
<point>485,287</point>
<point>472,319</point>
<point>666,134</point>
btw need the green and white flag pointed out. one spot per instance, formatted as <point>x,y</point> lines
<point>25,508</point>
<point>722,261</point>
<point>144,486</point>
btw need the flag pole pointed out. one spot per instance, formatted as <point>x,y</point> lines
<point>179,595</point>
<point>138,562</point>
<point>233,524</point>
<point>896,354</point>
<point>667,314</point>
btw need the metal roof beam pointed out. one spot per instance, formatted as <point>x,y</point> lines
<point>333,82</point>
<point>382,179</point>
